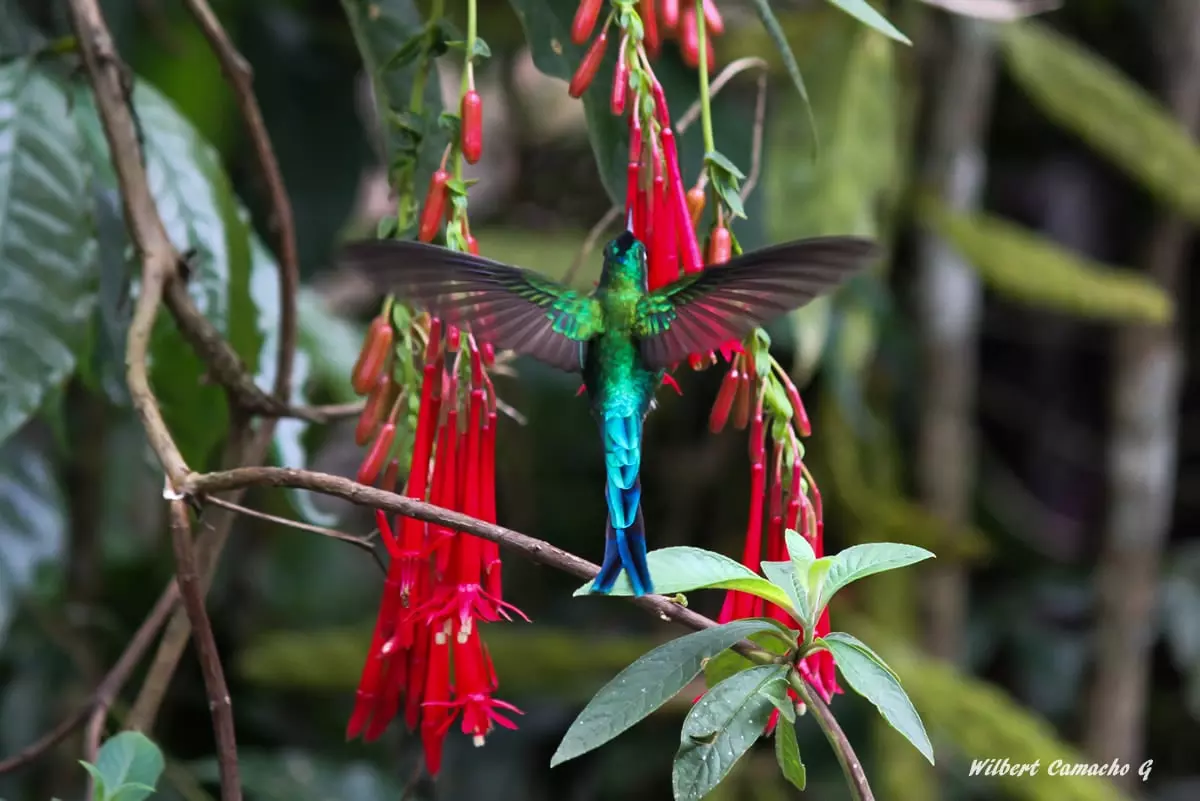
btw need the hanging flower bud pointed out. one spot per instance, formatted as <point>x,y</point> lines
<point>620,85</point>
<point>649,27</point>
<point>695,204</point>
<point>670,14</point>
<point>585,20</point>
<point>472,245</point>
<point>720,245</point>
<point>373,411</point>
<point>390,476</point>
<point>435,206</point>
<point>471,112</point>
<point>689,41</point>
<point>377,456</point>
<point>724,402</point>
<point>713,22</point>
<point>588,66</point>
<point>377,346</point>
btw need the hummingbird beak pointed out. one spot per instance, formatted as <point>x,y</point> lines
<point>629,221</point>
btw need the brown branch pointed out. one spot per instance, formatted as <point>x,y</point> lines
<point>240,76</point>
<point>105,693</point>
<point>666,609</point>
<point>860,789</point>
<point>159,259</point>
<point>219,703</point>
<point>756,143</point>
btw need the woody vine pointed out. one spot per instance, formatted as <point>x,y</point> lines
<point>428,425</point>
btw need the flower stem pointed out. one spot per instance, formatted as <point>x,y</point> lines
<point>705,100</point>
<point>851,767</point>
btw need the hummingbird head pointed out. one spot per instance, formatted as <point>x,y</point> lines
<point>624,262</point>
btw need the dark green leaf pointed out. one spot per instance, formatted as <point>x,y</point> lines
<point>787,754</point>
<point>380,28</point>
<point>129,758</point>
<point>717,160</point>
<point>769,21</point>
<point>783,576</point>
<point>729,661</point>
<point>865,13</point>
<point>33,523</point>
<point>722,726</point>
<point>47,257</point>
<point>683,569</point>
<point>874,680</point>
<point>647,684</point>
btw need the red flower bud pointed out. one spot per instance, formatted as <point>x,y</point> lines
<point>472,126</point>
<point>373,411</point>
<point>670,14</point>
<point>720,245</point>
<point>620,85</point>
<point>801,416</point>
<point>741,403</point>
<point>690,39</point>
<point>712,19</point>
<point>585,20</point>
<point>377,456</point>
<point>695,204</point>
<point>649,27</point>
<point>390,476</point>
<point>435,206</point>
<point>588,66</point>
<point>377,346</point>
<point>724,402</point>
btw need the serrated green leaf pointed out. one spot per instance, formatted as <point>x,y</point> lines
<point>129,758</point>
<point>683,569</point>
<point>860,561</point>
<point>729,661</point>
<point>33,518</point>
<point>647,684</point>
<point>1024,266</point>
<point>722,726</point>
<point>874,680</point>
<point>787,754</point>
<point>1087,95</point>
<point>865,13</point>
<point>779,38</point>
<point>48,268</point>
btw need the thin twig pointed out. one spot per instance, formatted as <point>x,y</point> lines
<point>364,543</point>
<point>105,692</point>
<point>860,789</point>
<point>237,71</point>
<point>219,703</point>
<point>732,69</point>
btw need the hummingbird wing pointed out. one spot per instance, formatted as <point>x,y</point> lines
<point>703,311</point>
<point>509,307</point>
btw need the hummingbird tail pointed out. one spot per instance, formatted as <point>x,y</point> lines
<point>625,540</point>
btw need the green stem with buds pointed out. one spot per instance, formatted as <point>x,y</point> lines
<point>705,100</point>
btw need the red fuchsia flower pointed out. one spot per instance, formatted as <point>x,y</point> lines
<point>426,655</point>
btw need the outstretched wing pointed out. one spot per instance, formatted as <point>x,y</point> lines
<point>509,307</point>
<point>701,312</point>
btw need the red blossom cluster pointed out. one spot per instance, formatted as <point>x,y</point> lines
<point>677,18</point>
<point>426,654</point>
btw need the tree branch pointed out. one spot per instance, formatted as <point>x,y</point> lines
<point>219,702</point>
<point>238,73</point>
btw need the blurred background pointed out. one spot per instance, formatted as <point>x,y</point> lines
<point>1009,388</point>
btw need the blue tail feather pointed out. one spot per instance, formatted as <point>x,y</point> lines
<point>625,540</point>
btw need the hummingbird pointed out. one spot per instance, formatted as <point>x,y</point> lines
<point>621,337</point>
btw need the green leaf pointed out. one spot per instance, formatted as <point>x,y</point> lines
<point>779,38</point>
<point>865,13</point>
<point>729,661</point>
<point>48,270</point>
<point>381,28</point>
<point>33,519</point>
<point>787,754</point>
<point>722,726</point>
<point>874,680</point>
<point>800,551</point>
<point>683,569</point>
<point>1087,95</point>
<point>860,561</point>
<point>129,758</point>
<point>783,575</point>
<point>647,684</point>
<point>99,792</point>
<point>1024,266</point>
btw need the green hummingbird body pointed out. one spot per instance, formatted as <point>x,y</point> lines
<point>622,337</point>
